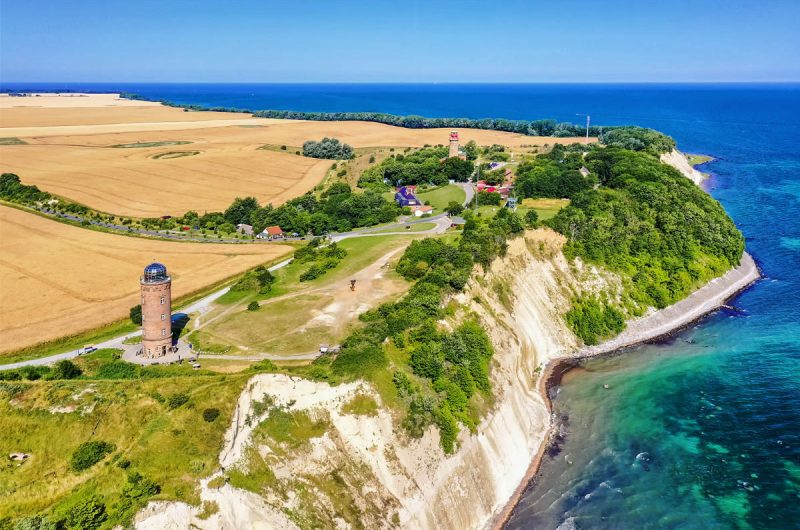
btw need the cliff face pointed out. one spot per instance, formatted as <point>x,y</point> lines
<point>679,161</point>
<point>380,477</point>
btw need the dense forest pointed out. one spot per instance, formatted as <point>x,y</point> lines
<point>664,234</point>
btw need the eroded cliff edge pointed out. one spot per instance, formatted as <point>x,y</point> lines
<point>363,471</point>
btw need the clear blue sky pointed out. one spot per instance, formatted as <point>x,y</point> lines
<point>399,41</point>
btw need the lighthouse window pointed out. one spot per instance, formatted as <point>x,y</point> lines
<point>163,332</point>
<point>163,316</point>
<point>163,299</point>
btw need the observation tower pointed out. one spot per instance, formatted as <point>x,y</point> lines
<point>156,286</point>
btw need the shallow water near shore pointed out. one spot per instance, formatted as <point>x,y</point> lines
<point>703,430</point>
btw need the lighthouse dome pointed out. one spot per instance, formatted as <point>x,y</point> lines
<point>155,272</point>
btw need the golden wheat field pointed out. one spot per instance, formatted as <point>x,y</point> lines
<point>58,280</point>
<point>173,161</point>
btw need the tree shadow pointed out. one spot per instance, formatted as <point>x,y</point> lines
<point>179,322</point>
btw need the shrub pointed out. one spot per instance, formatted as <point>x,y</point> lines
<point>64,369</point>
<point>117,370</point>
<point>253,306</point>
<point>89,453</point>
<point>86,514</point>
<point>176,400</point>
<point>136,314</point>
<point>210,415</point>
<point>531,218</point>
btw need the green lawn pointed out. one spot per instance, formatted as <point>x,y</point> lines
<point>10,140</point>
<point>417,227</point>
<point>441,197</point>
<point>546,208</point>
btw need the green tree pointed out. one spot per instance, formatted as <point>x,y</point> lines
<point>136,314</point>
<point>253,306</point>
<point>454,208</point>
<point>240,211</point>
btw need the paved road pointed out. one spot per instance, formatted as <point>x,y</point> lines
<point>204,304</point>
<point>201,306</point>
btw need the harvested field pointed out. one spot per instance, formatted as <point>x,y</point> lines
<point>154,180</point>
<point>67,152</point>
<point>58,280</point>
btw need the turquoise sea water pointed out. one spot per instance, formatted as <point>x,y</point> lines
<point>702,431</point>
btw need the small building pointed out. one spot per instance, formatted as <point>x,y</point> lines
<point>271,233</point>
<point>457,222</point>
<point>511,203</point>
<point>405,196</point>
<point>419,211</point>
<point>584,171</point>
<point>244,229</point>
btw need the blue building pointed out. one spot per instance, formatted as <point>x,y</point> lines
<point>405,196</point>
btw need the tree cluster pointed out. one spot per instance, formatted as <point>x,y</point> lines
<point>12,190</point>
<point>328,148</point>
<point>555,175</point>
<point>426,166</point>
<point>651,224</point>
<point>638,139</point>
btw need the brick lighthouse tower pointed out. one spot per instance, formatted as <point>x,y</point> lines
<point>453,145</point>
<point>156,311</point>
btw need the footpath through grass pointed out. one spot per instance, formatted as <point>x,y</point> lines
<point>292,310</point>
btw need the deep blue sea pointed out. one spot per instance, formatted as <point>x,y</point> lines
<point>702,431</point>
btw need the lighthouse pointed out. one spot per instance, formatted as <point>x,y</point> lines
<point>156,289</point>
<point>453,145</point>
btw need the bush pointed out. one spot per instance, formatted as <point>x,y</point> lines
<point>89,453</point>
<point>592,320</point>
<point>489,198</point>
<point>65,369</point>
<point>176,400</point>
<point>86,514</point>
<point>210,415</point>
<point>136,314</point>
<point>253,306</point>
<point>531,218</point>
<point>328,148</point>
<point>117,370</point>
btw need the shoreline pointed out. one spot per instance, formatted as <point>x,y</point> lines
<point>663,323</point>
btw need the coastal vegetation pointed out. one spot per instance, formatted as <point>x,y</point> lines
<point>108,448</point>
<point>649,223</point>
<point>638,139</point>
<point>440,377</point>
